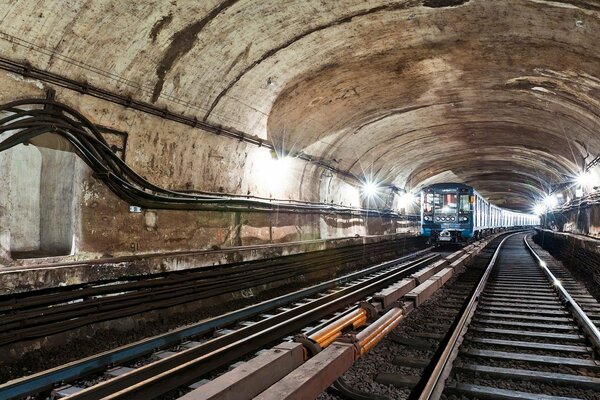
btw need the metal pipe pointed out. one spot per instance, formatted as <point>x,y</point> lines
<point>370,336</point>
<point>329,333</point>
<point>584,321</point>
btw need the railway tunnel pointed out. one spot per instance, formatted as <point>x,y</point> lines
<point>190,177</point>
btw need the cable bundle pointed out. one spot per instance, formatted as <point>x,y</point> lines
<point>30,118</point>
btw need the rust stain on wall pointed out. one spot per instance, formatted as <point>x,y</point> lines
<point>160,25</point>
<point>182,42</point>
<point>443,3</point>
<point>275,50</point>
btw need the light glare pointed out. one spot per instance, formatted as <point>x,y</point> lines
<point>407,199</point>
<point>585,179</point>
<point>272,173</point>
<point>539,209</point>
<point>550,201</point>
<point>370,189</point>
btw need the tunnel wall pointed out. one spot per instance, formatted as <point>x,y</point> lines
<point>73,215</point>
<point>581,220</point>
<point>581,254</point>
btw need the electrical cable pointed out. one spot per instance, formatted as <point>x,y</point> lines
<point>26,121</point>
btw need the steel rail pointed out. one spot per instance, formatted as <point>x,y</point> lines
<point>186,367</point>
<point>77,369</point>
<point>593,334</point>
<point>435,384</point>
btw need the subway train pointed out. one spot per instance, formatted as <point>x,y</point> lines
<point>457,213</point>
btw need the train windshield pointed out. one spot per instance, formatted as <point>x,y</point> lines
<point>446,203</point>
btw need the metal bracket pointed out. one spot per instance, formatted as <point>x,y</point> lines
<point>311,347</point>
<point>372,312</point>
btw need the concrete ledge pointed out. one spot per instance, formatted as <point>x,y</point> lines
<point>389,295</point>
<point>470,247</point>
<point>583,242</point>
<point>314,376</point>
<point>438,276</point>
<point>424,291</point>
<point>457,254</point>
<point>42,276</point>
<point>252,377</point>
<point>427,272</point>
<point>459,264</point>
<point>444,275</point>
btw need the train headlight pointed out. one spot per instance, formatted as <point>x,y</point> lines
<point>452,218</point>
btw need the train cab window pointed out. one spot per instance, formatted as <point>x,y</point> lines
<point>464,205</point>
<point>448,203</point>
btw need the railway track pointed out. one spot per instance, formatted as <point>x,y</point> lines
<point>197,350</point>
<point>528,331</point>
<point>42,313</point>
<point>333,346</point>
<point>525,330</point>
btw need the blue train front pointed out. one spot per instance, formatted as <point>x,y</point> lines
<point>455,213</point>
<point>447,212</point>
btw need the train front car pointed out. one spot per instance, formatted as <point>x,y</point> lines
<point>447,212</point>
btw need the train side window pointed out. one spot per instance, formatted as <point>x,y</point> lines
<point>428,203</point>
<point>464,203</point>
<point>437,201</point>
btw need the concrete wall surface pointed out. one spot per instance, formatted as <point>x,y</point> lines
<point>582,220</point>
<point>55,211</point>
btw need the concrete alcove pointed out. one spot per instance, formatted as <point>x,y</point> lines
<point>40,202</point>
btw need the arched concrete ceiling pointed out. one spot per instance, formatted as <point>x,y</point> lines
<point>501,94</point>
